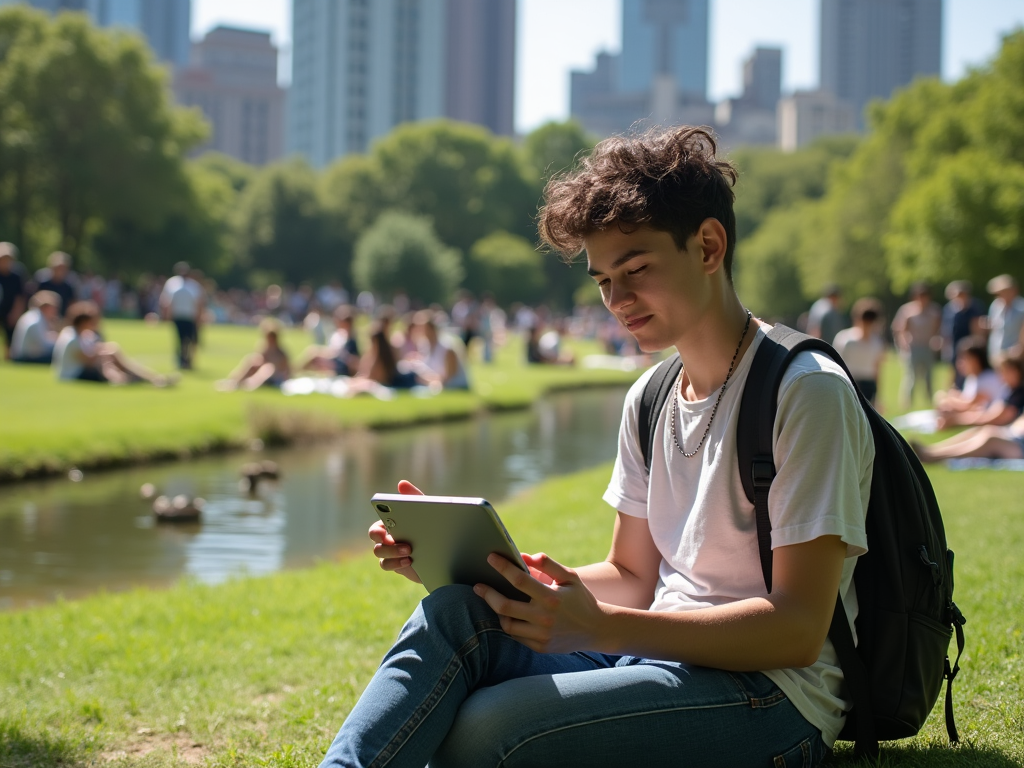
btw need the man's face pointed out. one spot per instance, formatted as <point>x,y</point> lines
<point>59,273</point>
<point>5,264</point>
<point>657,290</point>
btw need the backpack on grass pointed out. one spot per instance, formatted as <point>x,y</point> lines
<point>905,581</point>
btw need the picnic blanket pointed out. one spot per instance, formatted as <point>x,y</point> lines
<point>1010,465</point>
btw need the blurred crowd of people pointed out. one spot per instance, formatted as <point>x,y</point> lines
<point>984,345</point>
<point>52,317</point>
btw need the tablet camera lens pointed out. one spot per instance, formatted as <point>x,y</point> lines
<point>384,509</point>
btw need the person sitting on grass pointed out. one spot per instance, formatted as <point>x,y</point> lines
<point>545,348</point>
<point>35,335</point>
<point>982,385</point>
<point>269,366</point>
<point>380,364</point>
<point>1000,412</point>
<point>80,355</point>
<point>671,651</point>
<point>340,357</point>
<point>440,359</point>
<point>978,442</point>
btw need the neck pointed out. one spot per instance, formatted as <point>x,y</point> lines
<point>708,352</point>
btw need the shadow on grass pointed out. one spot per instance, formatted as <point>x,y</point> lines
<point>19,749</point>
<point>931,756</point>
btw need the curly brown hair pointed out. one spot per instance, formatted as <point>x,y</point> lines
<point>667,180</point>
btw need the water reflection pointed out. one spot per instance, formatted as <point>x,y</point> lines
<point>63,538</point>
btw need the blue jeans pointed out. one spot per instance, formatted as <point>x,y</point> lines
<point>455,690</point>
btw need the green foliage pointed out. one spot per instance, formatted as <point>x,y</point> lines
<point>282,226</point>
<point>934,192</point>
<point>468,182</point>
<point>965,220</point>
<point>771,179</point>
<point>555,147</point>
<point>402,253</point>
<point>508,266</point>
<point>768,275</point>
<point>87,131</point>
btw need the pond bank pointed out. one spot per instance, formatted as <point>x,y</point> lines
<point>51,427</point>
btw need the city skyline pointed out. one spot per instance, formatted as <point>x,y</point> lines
<point>971,32</point>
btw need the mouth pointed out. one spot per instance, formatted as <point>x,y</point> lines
<point>633,324</point>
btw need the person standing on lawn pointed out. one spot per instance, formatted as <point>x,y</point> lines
<point>670,650</point>
<point>183,301</point>
<point>12,294</point>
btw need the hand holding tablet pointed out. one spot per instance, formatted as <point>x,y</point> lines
<point>452,536</point>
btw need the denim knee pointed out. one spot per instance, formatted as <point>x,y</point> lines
<point>451,615</point>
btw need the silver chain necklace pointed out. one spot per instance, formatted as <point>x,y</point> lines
<point>721,393</point>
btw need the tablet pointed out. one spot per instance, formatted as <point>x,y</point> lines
<point>451,537</point>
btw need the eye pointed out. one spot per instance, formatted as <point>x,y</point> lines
<point>637,271</point>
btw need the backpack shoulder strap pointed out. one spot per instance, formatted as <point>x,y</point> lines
<point>656,392</point>
<point>755,428</point>
<point>756,424</point>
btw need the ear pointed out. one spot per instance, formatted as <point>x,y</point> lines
<point>713,243</point>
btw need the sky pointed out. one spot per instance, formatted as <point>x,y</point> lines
<point>556,36</point>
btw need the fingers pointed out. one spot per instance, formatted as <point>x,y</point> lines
<point>557,572</point>
<point>404,486</point>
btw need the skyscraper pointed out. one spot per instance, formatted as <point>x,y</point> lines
<point>359,68</point>
<point>480,85</point>
<point>871,47</point>
<point>164,23</point>
<point>232,78</point>
<point>665,37</point>
<point>659,78</point>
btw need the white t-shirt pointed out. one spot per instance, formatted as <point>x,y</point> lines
<point>1006,321</point>
<point>32,339</point>
<point>182,295</point>
<point>861,355</point>
<point>988,383</point>
<point>704,527</point>
<point>67,352</point>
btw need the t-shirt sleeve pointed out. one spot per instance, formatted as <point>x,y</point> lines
<point>627,489</point>
<point>824,452</point>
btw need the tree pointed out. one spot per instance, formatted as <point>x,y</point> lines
<point>401,253</point>
<point>767,274</point>
<point>508,266</point>
<point>965,220</point>
<point>555,147</point>
<point>197,230</point>
<point>281,226</point>
<point>99,138</point>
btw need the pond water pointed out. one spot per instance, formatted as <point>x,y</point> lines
<point>64,538</point>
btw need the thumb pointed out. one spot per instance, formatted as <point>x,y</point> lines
<point>559,573</point>
<point>404,486</point>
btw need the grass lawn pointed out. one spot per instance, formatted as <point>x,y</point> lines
<point>50,426</point>
<point>260,672</point>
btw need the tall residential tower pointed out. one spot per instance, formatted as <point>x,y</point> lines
<point>362,67</point>
<point>869,48</point>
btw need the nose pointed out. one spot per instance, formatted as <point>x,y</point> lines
<point>618,296</point>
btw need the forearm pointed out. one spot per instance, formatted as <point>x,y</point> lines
<point>617,586</point>
<point>747,635</point>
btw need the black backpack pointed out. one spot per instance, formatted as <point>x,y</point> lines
<point>904,583</point>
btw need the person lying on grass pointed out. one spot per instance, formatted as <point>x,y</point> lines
<point>670,651</point>
<point>81,355</point>
<point>1000,412</point>
<point>987,442</point>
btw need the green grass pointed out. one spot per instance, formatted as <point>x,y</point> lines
<point>50,426</point>
<point>261,671</point>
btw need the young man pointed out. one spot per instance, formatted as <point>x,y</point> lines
<point>670,651</point>
<point>182,302</point>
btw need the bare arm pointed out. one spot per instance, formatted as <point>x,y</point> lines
<point>629,575</point>
<point>784,629</point>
